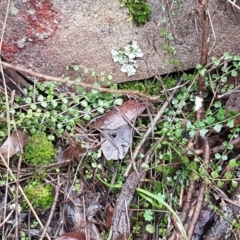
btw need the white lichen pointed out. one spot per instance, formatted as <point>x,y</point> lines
<point>127,57</point>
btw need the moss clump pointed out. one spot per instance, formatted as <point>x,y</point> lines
<point>139,10</point>
<point>147,86</point>
<point>39,150</point>
<point>39,194</point>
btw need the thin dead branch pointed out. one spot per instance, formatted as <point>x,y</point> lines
<point>57,191</point>
<point>24,195</point>
<point>171,20</point>
<point>204,22</point>
<point>84,85</point>
<point>233,3</point>
<point>201,193</point>
<point>149,130</point>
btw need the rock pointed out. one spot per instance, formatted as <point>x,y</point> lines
<point>48,35</point>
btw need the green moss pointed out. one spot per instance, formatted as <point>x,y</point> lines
<point>139,10</point>
<point>148,86</point>
<point>39,150</point>
<point>39,194</point>
<point>170,81</point>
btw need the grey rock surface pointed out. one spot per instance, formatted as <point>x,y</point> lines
<point>48,35</point>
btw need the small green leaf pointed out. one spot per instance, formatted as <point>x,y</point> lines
<point>109,77</point>
<point>64,107</point>
<point>84,103</point>
<point>150,228</point>
<point>148,215</point>
<point>145,166</point>
<point>185,160</point>
<point>228,175</point>
<point>76,67</point>
<point>164,46</point>
<point>234,73</point>
<point>227,56</point>
<point>203,132</point>
<point>33,106</point>
<point>100,110</point>
<point>214,174</point>
<point>198,66</point>
<point>193,166</point>
<point>94,165</point>
<point>210,120</point>
<point>223,79</point>
<point>236,58</point>
<point>40,98</point>
<point>215,60</point>
<point>44,104</point>
<point>87,117</point>
<point>221,114</point>
<point>202,71</point>
<point>218,104</point>
<point>220,184</point>
<point>232,163</point>
<point>51,137</point>
<point>64,100</point>
<point>54,103</point>
<point>224,157</point>
<point>118,101</point>
<point>218,127</point>
<point>234,183</point>
<point>230,123</point>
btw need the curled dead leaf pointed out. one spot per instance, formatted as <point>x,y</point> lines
<point>120,116</point>
<point>116,129</point>
<point>15,142</point>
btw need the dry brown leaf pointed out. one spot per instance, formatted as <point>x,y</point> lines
<point>116,118</point>
<point>16,141</point>
<point>109,216</point>
<point>116,129</point>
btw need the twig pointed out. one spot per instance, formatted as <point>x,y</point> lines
<point>84,85</point>
<point>201,192</point>
<point>57,191</point>
<point>171,20</point>
<point>204,21</point>
<point>191,190</point>
<point>186,206</point>
<point>213,32</point>
<point>149,130</point>
<point>7,109</point>
<point>24,195</point>
<point>6,218</point>
<point>234,4</point>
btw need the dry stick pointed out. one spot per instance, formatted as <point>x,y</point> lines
<point>234,4</point>
<point>22,192</point>
<point>149,130</point>
<point>18,179</point>
<point>7,108</point>
<point>200,93</point>
<point>57,191</point>
<point>6,218</point>
<point>84,85</point>
<point>204,21</point>
<point>171,20</point>
<point>201,195</point>
<point>186,206</point>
